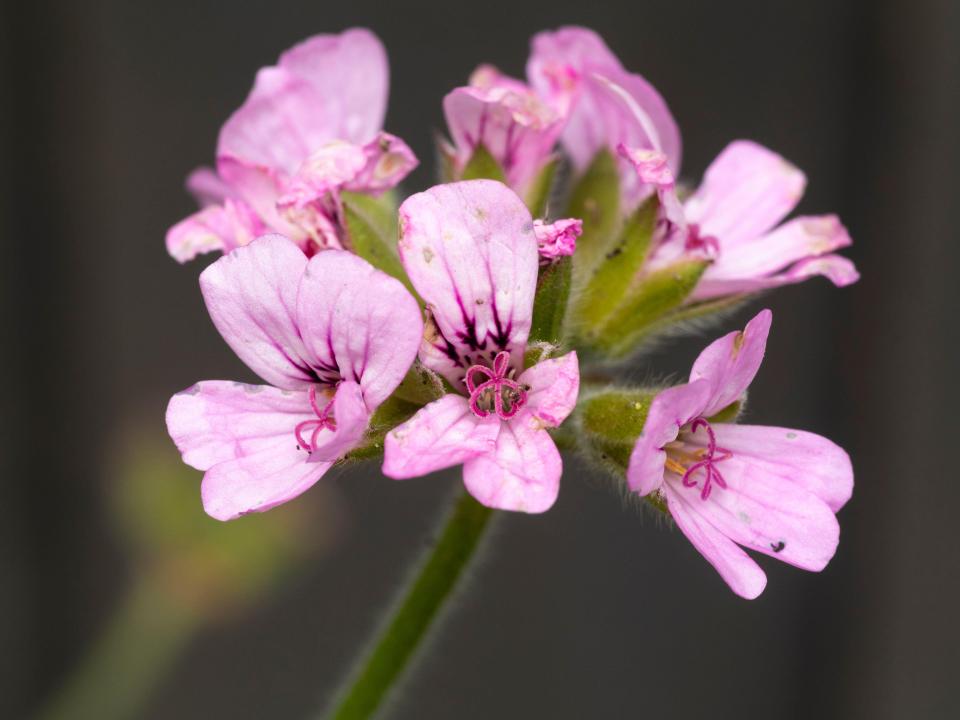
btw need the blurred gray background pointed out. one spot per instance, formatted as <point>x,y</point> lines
<point>589,611</point>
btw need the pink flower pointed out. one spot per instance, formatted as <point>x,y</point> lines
<point>309,128</point>
<point>331,336</point>
<point>607,105</point>
<point>558,238</point>
<point>506,117</point>
<point>772,490</point>
<point>733,219</point>
<point>471,253</point>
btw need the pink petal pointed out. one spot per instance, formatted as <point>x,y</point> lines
<point>516,128</point>
<point>564,66</point>
<point>741,573</point>
<point>442,434</point>
<point>763,512</point>
<point>388,160</point>
<point>554,385</point>
<point>798,239</point>
<point>359,322</point>
<point>207,187</point>
<point>809,461</point>
<point>470,251</point>
<point>557,239</point>
<point>521,473</point>
<point>260,187</point>
<point>837,269</point>
<point>329,87</point>
<point>251,295</point>
<point>258,482</point>
<point>730,363</point>
<point>670,410</point>
<point>745,192</point>
<point>216,227</point>
<point>215,421</point>
<point>352,417</point>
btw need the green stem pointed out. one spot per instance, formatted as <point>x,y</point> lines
<point>417,610</point>
<point>137,649</point>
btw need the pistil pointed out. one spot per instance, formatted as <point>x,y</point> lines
<point>499,393</point>
<point>323,421</point>
<point>683,462</point>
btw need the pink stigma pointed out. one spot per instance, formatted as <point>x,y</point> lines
<point>696,241</point>
<point>498,393</point>
<point>708,462</point>
<point>324,420</point>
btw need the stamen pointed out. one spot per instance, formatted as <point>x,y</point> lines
<point>707,461</point>
<point>324,421</point>
<point>498,393</point>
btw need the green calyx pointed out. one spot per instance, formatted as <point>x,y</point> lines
<point>609,423</point>
<point>595,199</point>
<point>482,165</point>
<point>371,225</point>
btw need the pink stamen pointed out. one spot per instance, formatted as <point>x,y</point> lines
<point>696,241</point>
<point>709,461</point>
<point>324,421</point>
<point>494,387</point>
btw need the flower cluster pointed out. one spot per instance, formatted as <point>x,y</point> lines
<point>450,330</point>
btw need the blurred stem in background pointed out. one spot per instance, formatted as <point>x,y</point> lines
<point>189,571</point>
<point>141,644</point>
<point>418,608</point>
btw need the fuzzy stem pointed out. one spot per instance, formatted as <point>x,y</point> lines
<point>143,640</point>
<point>419,607</point>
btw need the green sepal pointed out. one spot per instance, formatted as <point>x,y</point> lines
<point>647,308</point>
<point>420,385</point>
<point>482,165</point>
<point>730,413</point>
<point>595,199</point>
<point>616,273</point>
<point>610,422</point>
<point>538,194</point>
<point>550,302</point>
<point>391,413</point>
<point>372,232</point>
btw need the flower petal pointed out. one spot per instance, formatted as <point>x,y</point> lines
<point>440,435</point>
<point>745,192</point>
<point>805,459</point>
<point>522,473</point>
<point>559,238</point>
<point>358,322</point>
<point>352,417</point>
<point>670,410</point>
<point>837,269</point>
<point>251,295</point>
<point>516,128</point>
<point>554,385</point>
<point>207,187</point>
<point>258,482</point>
<point>329,87</point>
<point>740,572</point>
<point>565,64</point>
<point>216,227</point>
<point>765,512</point>
<point>215,421</point>
<point>388,160</point>
<point>730,363</point>
<point>798,239</point>
<point>470,251</point>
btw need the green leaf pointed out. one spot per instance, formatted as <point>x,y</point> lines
<point>372,231</point>
<point>550,302</point>
<point>596,200</point>
<point>611,281</point>
<point>647,307</point>
<point>482,165</point>
<point>538,194</point>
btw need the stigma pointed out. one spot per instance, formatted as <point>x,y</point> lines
<point>323,421</point>
<point>493,390</point>
<point>687,460</point>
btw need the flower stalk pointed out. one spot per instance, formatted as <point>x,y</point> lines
<point>420,605</point>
